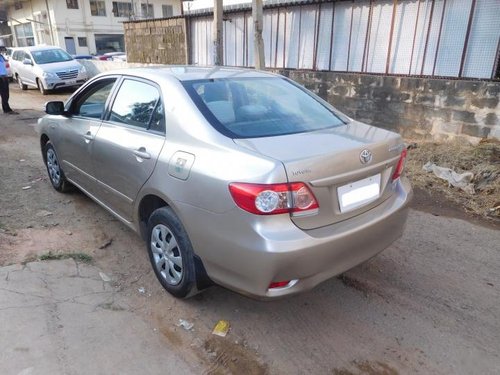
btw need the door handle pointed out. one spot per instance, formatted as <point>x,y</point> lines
<point>88,136</point>
<point>142,153</point>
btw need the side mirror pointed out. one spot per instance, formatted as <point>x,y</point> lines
<point>54,108</point>
<point>27,62</point>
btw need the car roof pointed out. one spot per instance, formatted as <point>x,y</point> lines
<point>37,48</point>
<point>191,73</point>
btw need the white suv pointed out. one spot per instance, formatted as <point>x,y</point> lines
<point>46,68</point>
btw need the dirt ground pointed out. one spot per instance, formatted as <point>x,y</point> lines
<point>428,304</point>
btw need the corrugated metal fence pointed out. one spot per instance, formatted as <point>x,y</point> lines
<point>445,38</point>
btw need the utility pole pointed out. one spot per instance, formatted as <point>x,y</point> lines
<point>50,23</point>
<point>218,52</point>
<point>133,14</point>
<point>258,43</point>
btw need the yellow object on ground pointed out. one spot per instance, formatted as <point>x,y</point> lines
<point>221,328</point>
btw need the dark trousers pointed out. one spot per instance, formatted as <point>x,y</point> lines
<point>4,92</point>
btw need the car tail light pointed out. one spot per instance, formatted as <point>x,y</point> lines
<point>272,199</point>
<point>7,65</point>
<point>278,284</point>
<point>400,166</point>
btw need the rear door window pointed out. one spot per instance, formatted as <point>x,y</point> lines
<point>18,55</point>
<point>138,104</point>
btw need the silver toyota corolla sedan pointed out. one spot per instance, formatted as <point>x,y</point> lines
<point>235,177</point>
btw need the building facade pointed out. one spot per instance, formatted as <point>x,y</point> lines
<point>81,26</point>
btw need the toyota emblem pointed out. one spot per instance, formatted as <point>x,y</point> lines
<point>365,157</point>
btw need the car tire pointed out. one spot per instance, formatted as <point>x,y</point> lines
<point>42,89</point>
<point>56,174</point>
<point>171,253</point>
<point>22,86</point>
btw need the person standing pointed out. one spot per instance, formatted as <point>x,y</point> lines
<point>4,87</point>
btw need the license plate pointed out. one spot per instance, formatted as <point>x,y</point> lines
<point>359,193</point>
<point>71,82</point>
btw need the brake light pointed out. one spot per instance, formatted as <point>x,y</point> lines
<point>278,284</point>
<point>7,65</point>
<point>273,199</point>
<point>400,166</point>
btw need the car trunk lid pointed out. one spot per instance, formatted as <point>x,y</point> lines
<point>329,162</point>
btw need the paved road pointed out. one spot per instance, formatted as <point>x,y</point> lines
<point>60,317</point>
<point>428,304</point>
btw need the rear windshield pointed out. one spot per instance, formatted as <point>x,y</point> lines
<point>50,56</point>
<point>259,107</point>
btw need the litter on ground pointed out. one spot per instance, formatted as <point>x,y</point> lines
<point>221,328</point>
<point>185,324</point>
<point>104,277</point>
<point>459,180</point>
<point>482,161</point>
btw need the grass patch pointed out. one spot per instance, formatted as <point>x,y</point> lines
<point>79,257</point>
<point>29,258</point>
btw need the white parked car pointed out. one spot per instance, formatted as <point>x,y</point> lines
<point>121,57</point>
<point>46,68</point>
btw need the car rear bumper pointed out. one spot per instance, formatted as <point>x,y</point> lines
<point>247,256</point>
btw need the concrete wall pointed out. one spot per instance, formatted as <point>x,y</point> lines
<point>416,107</point>
<point>161,41</point>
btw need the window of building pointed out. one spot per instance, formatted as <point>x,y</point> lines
<point>18,5</point>
<point>168,10</point>
<point>122,9</point>
<point>109,43</point>
<point>147,10</point>
<point>97,8</point>
<point>72,4</point>
<point>82,41</point>
<point>24,35</point>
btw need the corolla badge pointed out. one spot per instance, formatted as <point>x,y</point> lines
<point>301,172</point>
<point>365,156</point>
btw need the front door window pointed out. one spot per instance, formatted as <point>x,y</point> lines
<point>91,103</point>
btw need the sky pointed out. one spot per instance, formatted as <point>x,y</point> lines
<point>203,4</point>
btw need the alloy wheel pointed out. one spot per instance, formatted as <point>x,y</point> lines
<point>166,254</point>
<point>53,167</point>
